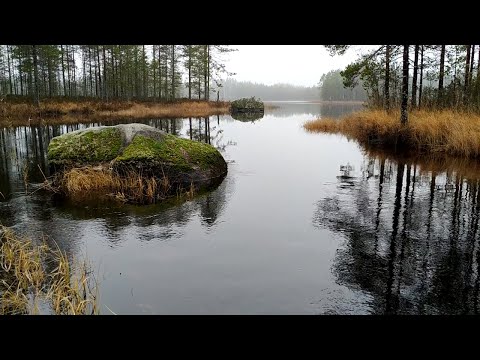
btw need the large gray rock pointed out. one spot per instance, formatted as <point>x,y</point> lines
<point>139,147</point>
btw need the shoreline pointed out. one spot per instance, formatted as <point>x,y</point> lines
<point>67,111</point>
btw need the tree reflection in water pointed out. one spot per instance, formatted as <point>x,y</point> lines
<point>411,234</point>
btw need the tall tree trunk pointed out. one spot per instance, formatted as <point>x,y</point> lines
<point>165,90</point>
<point>144,67</point>
<point>154,73</point>
<point>159,74</point>
<point>199,87</point>
<point>63,72</point>
<point>190,71</point>
<point>84,67</point>
<point>441,75</point>
<point>173,72</point>
<point>455,79</point>
<point>421,80</point>
<point>50,77</point>
<point>97,73</point>
<point>472,61</point>
<point>478,63</point>
<point>208,72</point>
<point>74,75</point>
<point>467,75</point>
<point>114,73</point>
<point>105,90</point>
<point>119,73</point>
<point>36,99</point>
<point>90,70</point>
<point>205,71</point>
<point>404,108</point>
<point>414,79</point>
<point>100,88</point>
<point>135,73</point>
<point>10,71</point>
<point>68,72</point>
<point>387,78</point>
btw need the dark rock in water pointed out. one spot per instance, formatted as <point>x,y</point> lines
<point>139,147</point>
<point>247,105</point>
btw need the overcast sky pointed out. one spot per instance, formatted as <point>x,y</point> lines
<point>293,64</point>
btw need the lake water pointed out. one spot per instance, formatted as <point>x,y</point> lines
<point>284,233</point>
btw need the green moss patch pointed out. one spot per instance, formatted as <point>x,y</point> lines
<point>182,153</point>
<point>88,146</point>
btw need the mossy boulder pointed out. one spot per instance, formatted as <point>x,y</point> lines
<point>247,105</point>
<point>142,148</point>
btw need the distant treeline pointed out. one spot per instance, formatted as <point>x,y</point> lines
<point>332,88</point>
<point>329,88</point>
<point>233,89</point>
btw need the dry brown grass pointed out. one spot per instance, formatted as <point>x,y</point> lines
<point>99,182</point>
<point>439,132</point>
<point>25,279</point>
<point>63,112</point>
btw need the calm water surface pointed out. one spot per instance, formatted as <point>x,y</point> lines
<point>284,233</point>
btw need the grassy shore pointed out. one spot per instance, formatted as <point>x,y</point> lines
<point>34,277</point>
<point>56,111</point>
<point>428,132</point>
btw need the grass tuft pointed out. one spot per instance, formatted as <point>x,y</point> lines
<point>26,279</point>
<point>132,186</point>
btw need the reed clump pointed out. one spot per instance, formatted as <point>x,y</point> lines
<point>435,132</point>
<point>130,186</point>
<point>33,275</point>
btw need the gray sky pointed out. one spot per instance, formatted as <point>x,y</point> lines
<point>293,64</point>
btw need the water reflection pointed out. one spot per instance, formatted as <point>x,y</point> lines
<point>410,235</point>
<point>323,109</point>
<point>248,116</point>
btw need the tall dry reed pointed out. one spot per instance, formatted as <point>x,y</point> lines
<point>131,186</point>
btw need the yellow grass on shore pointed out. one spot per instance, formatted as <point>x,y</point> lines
<point>63,112</point>
<point>436,132</point>
<point>32,274</point>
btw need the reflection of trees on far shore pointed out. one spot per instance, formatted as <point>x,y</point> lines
<point>411,237</point>
<point>286,109</point>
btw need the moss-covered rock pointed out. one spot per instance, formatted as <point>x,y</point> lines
<point>90,145</point>
<point>248,105</point>
<point>142,148</point>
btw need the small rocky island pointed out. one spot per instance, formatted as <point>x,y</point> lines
<point>132,162</point>
<point>247,105</point>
